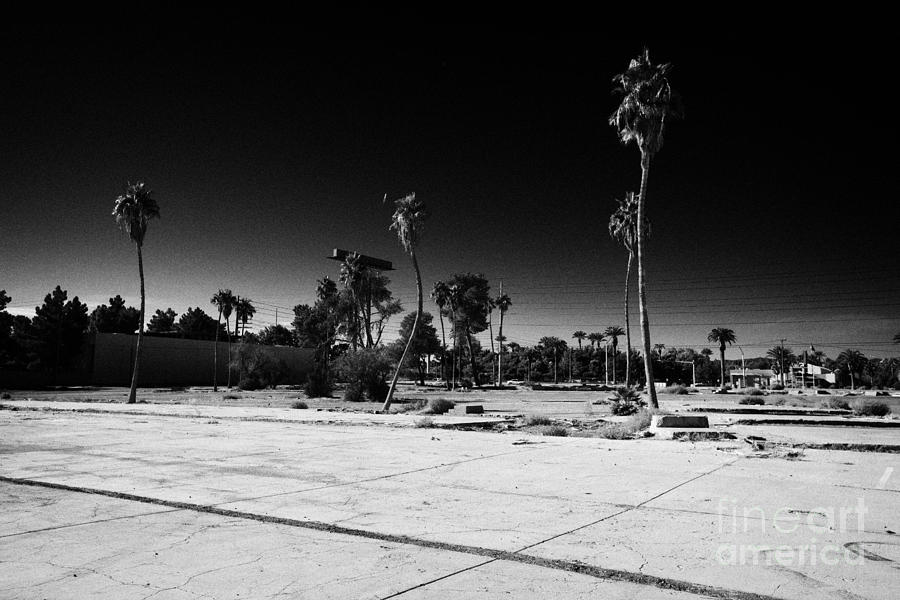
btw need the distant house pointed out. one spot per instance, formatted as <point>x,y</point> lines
<point>743,378</point>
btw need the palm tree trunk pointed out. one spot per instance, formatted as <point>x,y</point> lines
<point>444,347</point>
<point>228,364</point>
<point>216,354</point>
<point>387,401</point>
<point>642,291</point>
<point>627,322</point>
<point>615,353</point>
<point>722,377</point>
<point>132,394</point>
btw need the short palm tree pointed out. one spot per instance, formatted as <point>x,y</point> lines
<point>408,220</point>
<point>579,335</point>
<point>224,301</point>
<point>502,302</point>
<point>623,228</point>
<point>723,336</point>
<point>647,103</point>
<point>596,339</point>
<point>133,211</point>
<point>854,361</point>
<point>243,312</point>
<point>613,332</point>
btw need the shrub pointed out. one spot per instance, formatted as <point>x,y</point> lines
<point>423,422</point>
<point>870,408</point>
<point>412,406</point>
<point>258,369</point>
<point>777,386</point>
<point>835,403</point>
<point>535,420</point>
<point>751,400</point>
<point>5,396</point>
<point>232,397</point>
<point>299,404</point>
<point>752,392</point>
<point>555,431</point>
<point>627,401</point>
<point>678,390</point>
<point>317,386</point>
<point>365,371</point>
<point>438,406</point>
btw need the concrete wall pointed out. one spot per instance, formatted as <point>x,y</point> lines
<point>178,362</point>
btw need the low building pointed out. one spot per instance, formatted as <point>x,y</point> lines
<point>745,378</point>
<point>812,375</point>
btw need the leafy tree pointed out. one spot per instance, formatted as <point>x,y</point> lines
<point>4,300</point>
<point>502,302</point>
<point>552,348</point>
<point>781,359</point>
<point>853,362</point>
<point>613,332</point>
<point>115,318</point>
<point>133,211</point>
<point>162,322</point>
<point>468,310</point>
<point>423,344</point>
<point>623,228</point>
<point>579,335</point>
<point>277,335</point>
<point>647,103</point>
<point>11,351</point>
<point>723,336</point>
<point>58,327</point>
<point>316,327</point>
<point>223,300</point>
<point>365,370</point>
<point>408,220</point>
<point>194,324</point>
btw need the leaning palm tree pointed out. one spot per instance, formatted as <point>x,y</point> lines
<point>723,335</point>
<point>503,303</point>
<point>613,332</point>
<point>408,220</point>
<point>623,228</point>
<point>223,300</point>
<point>647,102</point>
<point>579,335</point>
<point>133,211</point>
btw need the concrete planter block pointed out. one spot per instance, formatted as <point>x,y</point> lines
<point>682,421</point>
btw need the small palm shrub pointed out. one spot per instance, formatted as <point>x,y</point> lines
<point>299,404</point>
<point>626,401</point>
<point>438,406</point>
<point>751,400</point>
<point>870,408</point>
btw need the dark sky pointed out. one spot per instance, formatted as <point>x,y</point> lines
<point>773,202</point>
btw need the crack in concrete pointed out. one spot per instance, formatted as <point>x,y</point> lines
<point>489,553</point>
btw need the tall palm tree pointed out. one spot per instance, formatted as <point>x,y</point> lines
<point>854,361</point>
<point>723,335</point>
<point>440,294</point>
<point>243,312</point>
<point>133,211</point>
<point>408,220</point>
<point>502,302</point>
<point>647,103</point>
<point>623,228</point>
<point>596,339</point>
<point>223,300</point>
<point>230,303</point>
<point>579,335</point>
<point>613,332</point>
<point>491,304</point>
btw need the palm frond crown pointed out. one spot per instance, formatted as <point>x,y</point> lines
<point>408,220</point>
<point>134,209</point>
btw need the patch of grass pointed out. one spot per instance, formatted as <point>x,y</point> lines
<point>865,407</point>
<point>555,431</point>
<point>678,390</point>
<point>834,403</point>
<point>776,401</point>
<point>628,429</point>
<point>751,400</point>
<point>423,422</point>
<point>232,397</point>
<point>534,420</point>
<point>438,406</point>
<point>299,404</point>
